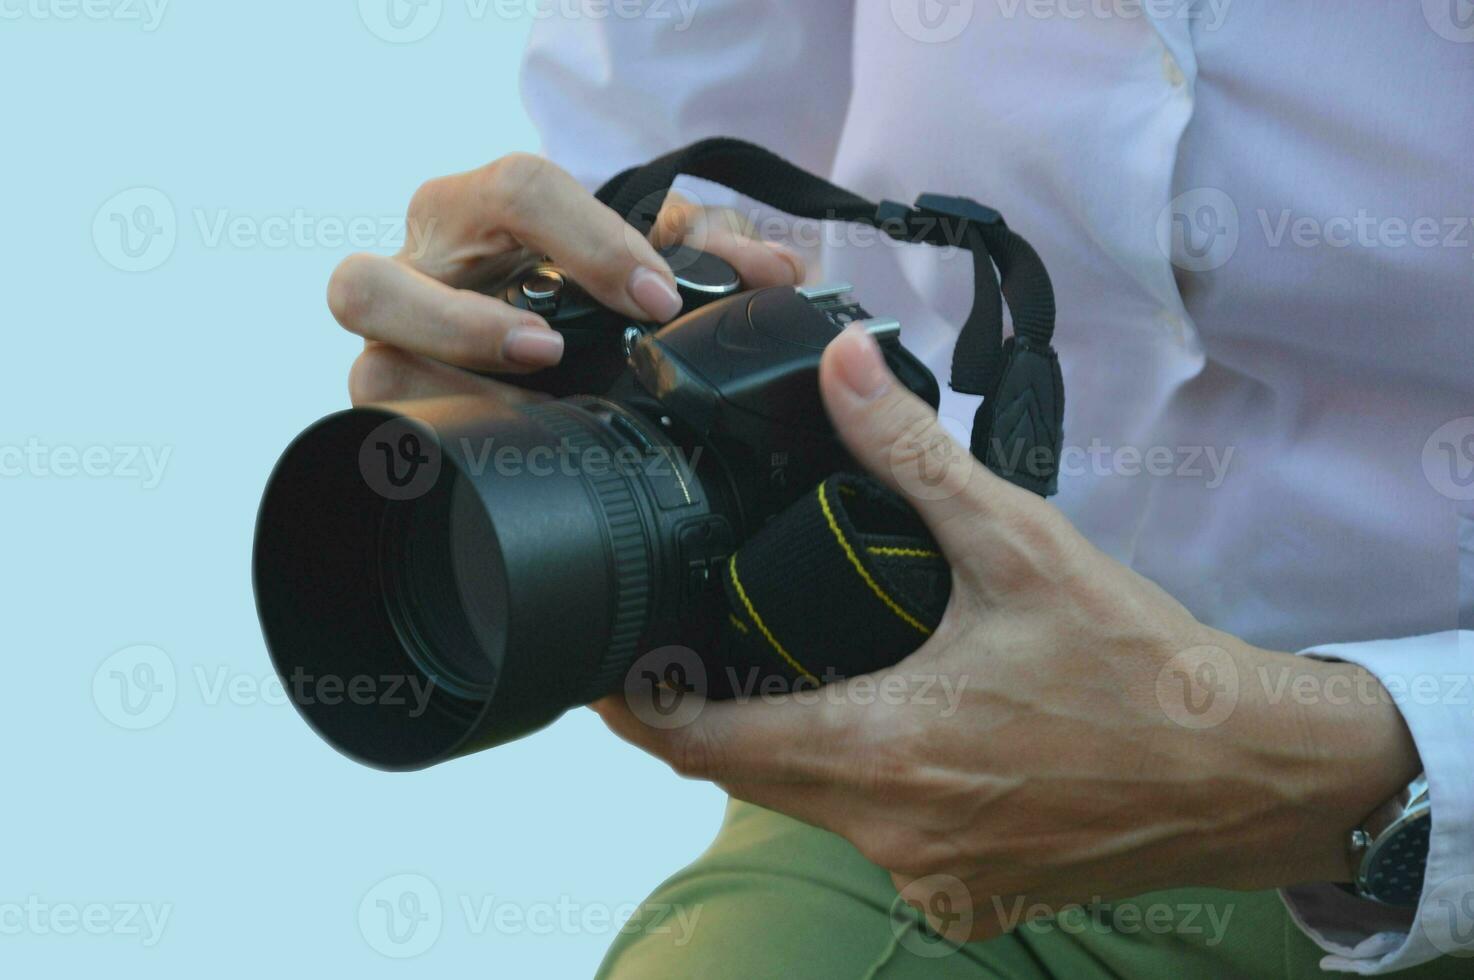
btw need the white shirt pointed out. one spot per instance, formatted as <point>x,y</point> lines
<point>1270,414</point>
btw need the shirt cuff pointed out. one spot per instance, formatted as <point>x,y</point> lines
<point>1431,679</point>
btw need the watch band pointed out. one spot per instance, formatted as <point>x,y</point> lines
<point>1389,851</point>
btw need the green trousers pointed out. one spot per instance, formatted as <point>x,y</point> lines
<point>774,897</point>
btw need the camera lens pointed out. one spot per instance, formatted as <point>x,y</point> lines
<point>430,586</point>
<point>433,564</point>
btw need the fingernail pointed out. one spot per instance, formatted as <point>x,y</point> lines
<point>653,294</point>
<point>792,258</point>
<point>861,366</point>
<point>533,346</point>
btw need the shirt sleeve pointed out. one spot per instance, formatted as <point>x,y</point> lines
<point>1431,679</point>
<point>608,93</point>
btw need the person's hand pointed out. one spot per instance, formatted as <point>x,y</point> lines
<point>423,321</point>
<point>1084,756</point>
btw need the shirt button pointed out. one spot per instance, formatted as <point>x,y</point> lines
<point>1172,72</point>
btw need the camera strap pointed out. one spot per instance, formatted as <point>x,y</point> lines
<point>1018,429</point>
<point>848,580</point>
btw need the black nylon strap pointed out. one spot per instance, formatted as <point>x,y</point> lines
<point>844,582</point>
<point>847,580</point>
<point>1021,391</point>
<point>639,193</point>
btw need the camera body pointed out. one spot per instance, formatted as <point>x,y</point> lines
<point>597,340</point>
<point>722,409</point>
<point>736,373</point>
<point>539,551</point>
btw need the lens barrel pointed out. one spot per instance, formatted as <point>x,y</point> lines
<point>436,583</point>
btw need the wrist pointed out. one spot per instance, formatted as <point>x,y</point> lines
<point>1328,746</point>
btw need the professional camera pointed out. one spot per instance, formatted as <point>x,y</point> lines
<point>462,572</point>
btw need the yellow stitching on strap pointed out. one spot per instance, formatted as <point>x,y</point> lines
<point>855,560</point>
<point>902,552</point>
<point>741,626</point>
<point>742,594</point>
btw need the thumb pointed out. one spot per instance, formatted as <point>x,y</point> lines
<point>897,437</point>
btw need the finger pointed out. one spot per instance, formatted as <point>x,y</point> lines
<point>384,300</point>
<point>680,218</point>
<point>759,264</point>
<point>723,232</point>
<point>770,740</point>
<point>543,208</point>
<point>385,374</point>
<point>898,438</point>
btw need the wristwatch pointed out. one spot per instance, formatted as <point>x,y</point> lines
<point>1389,851</point>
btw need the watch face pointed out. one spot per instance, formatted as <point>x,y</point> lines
<point>1392,872</point>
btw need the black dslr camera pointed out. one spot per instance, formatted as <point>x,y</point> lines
<point>495,566</point>
<point>555,544</point>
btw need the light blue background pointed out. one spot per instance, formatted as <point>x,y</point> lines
<point>258,838</point>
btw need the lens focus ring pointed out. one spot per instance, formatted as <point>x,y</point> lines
<point>627,538</point>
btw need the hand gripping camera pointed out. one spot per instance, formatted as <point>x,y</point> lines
<point>683,497</point>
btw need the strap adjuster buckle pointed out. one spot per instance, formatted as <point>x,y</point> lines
<point>935,220</point>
